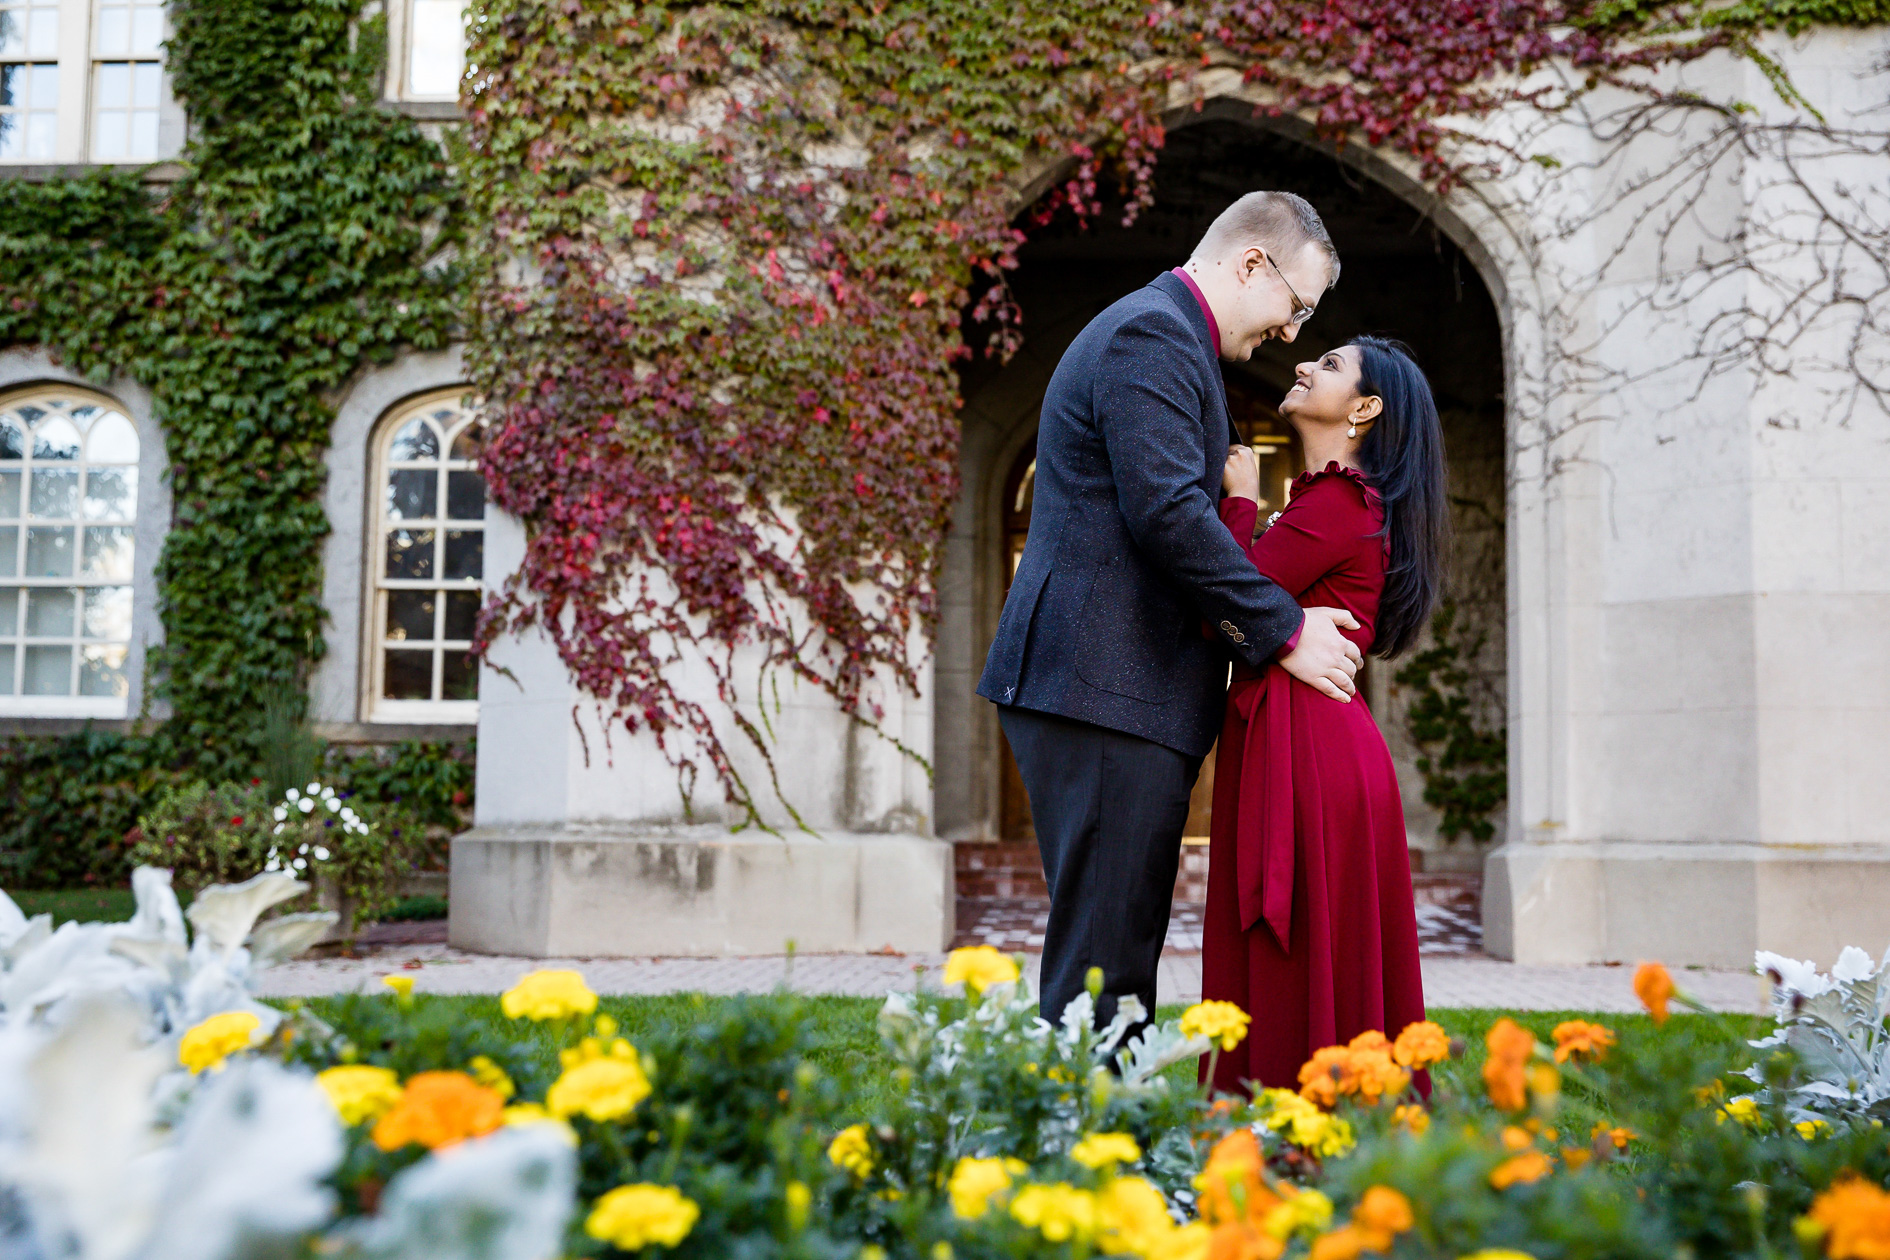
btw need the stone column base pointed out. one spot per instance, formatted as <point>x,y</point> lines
<point>613,892</point>
<point>1684,904</point>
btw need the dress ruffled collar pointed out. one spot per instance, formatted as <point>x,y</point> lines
<point>1335,469</point>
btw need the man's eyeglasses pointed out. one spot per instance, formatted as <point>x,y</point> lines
<point>1301,311</point>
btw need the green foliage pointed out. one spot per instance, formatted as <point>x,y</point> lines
<point>206,835</point>
<point>301,242</point>
<point>67,804</point>
<point>432,781</point>
<point>1465,765</point>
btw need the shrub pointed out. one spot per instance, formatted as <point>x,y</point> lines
<point>67,803</point>
<point>206,835</point>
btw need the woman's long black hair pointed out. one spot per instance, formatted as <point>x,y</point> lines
<point>1403,454</point>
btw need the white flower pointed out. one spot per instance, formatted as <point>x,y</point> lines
<point>300,864</point>
<point>303,850</point>
<point>314,789</point>
<point>321,854</point>
<point>331,802</point>
<point>305,805</point>
<point>282,814</point>
<point>1793,976</point>
<point>1853,964</point>
<point>278,830</point>
<point>291,795</point>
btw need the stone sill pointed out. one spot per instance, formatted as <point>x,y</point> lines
<point>396,732</point>
<point>41,172</point>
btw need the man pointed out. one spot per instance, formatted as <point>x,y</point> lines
<point>1109,691</point>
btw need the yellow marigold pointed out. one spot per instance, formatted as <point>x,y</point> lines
<point>1412,1116</point>
<point>491,1075</point>
<point>606,1088</point>
<point>1497,1253</point>
<point>1521,1169</point>
<point>1131,1217</point>
<point>799,1200</point>
<point>208,1044</point>
<point>534,1113</point>
<point>1517,1139</point>
<point>851,1150</point>
<point>1619,1136</point>
<point>1189,1242</point>
<point>1579,1037</point>
<point>1300,1122</point>
<point>1381,1216</point>
<point>360,1092</point>
<point>544,995</point>
<point>1100,1150</point>
<point>1654,987</point>
<point>1420,1045</point>
<point>1505,1072</point>
<point>1854,1219</point>
<point>1809,1129</point>
<point>974,1182</point>
<point>438,1109</point>
<point>1302,1212</point>
<point>1221,1022</point>
<point>1059,1212</point>
<point>979,967</point>
<point>401,985</point>
<point>630,1218</point>
<point>1744,1109</point>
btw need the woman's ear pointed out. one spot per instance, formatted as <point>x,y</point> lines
<point>1367,408</point>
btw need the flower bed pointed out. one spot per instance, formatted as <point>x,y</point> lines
<point>385,1125</point>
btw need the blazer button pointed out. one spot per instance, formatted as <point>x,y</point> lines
<point>1239,637</point>
<point>1228,626</point>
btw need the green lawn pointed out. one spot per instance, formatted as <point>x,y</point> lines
<point>108,905</point>
<point>847,1043</point>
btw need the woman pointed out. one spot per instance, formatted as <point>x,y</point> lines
<point>1310,925</point>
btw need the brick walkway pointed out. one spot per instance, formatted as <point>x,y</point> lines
<point>1448,981</point>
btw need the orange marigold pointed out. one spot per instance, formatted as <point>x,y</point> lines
<point>1241,1241</point>
<point>1855,1218</point>
<point>1320,1076</point>
<point>1347,1242</point>
<point>1654,987</point>
<point>1521,1169</point>
<point>1370,1039</point>
<point>1381,1216</point>
<point>438,1109</point>
<point>1505,1072</point>
<point>1578,1037</point>
<point>1363,1068</point>
<point>1231,1186</point>
<point>1412,1116</point>
<point>1420,1045</point>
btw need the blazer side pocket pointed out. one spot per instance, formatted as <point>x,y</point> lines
<point>1127,636</point>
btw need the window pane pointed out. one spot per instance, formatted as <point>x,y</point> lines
<point>9,551</point>
<point>144,135</point>
<point>9,611</point>
<point>410,553</point>
<point>147,30</point>
<point>48,671</point>
<point>108,552</point>
<point>108,613</point>
<point>464,553</point>
<point>6,669</point>
<point>438,47</point>
<point>462,614</point>
<point>412,494</point>
<point>416,440</point>
<point>466,445</point>
<point>465,496</point>
<point>112,440</point>
<point>50,614</point>
<point>111,494</point>
<point>10,495</point>
<point>113,38</point>
<point>49,551</point>
<point>112,88</point>
<point>408,675</point>
<point>56,439</point>
<point>145,77</point>
<point>102,671</point>
<point>12,441</point>
<point>410,615</point>
<point>55,494</point>
<point>459,676</point>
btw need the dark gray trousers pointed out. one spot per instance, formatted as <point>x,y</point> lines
<point>1109,809</point>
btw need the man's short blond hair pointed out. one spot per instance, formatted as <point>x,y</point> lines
<point>1281,223</point>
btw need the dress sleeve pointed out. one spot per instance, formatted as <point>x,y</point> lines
<point>1319,531</point>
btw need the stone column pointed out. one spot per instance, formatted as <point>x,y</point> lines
<point>584,844</point>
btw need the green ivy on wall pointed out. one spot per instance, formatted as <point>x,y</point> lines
<point>302,241</point>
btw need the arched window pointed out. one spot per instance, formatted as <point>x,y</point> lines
<point>68,502</point>
<point>429,558</point>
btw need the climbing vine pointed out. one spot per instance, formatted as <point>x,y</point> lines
<point>294,248</point>
<point>725,248</point>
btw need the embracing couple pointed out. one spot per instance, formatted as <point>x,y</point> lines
<point>1143,580</point>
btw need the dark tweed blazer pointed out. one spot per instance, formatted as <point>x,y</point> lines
<point>1127,556</point>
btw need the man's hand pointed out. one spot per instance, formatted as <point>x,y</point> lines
<point>1323,657</point>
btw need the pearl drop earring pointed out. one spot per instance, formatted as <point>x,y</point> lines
<point>1352,432</point>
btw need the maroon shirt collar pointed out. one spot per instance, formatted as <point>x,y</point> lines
<point>1214,329</point>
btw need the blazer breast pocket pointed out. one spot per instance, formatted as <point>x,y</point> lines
<point>1127,635</point>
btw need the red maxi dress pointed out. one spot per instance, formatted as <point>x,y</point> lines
<point>1310,926</point>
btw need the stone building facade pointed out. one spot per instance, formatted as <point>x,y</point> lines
<point>1660,353</point>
